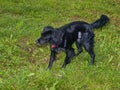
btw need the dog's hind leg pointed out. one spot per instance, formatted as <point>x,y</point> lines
<point>79,47</point>
<point>89,48</point>
<point>52,59</point>
<point>69,55</point>
<point>92,54</point>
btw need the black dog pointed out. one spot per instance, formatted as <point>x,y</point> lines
<point>62,38</point>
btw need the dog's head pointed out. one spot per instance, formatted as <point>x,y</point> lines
<point>45,35</point>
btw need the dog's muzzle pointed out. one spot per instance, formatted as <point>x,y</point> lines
<point>40,41</point>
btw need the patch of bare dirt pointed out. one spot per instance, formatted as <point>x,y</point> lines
<point>75,17</point>
<point>118,2</point>
<point>116,21</point>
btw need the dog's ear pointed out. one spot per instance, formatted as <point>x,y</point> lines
<point>48,29</point>
<point>61,35</point>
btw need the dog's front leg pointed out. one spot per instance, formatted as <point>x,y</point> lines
<point>52,59</point>
<point>69,55</point>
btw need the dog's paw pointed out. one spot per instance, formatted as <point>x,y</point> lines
<point>91,64</point>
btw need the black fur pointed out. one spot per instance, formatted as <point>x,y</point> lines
<point>62,38</point>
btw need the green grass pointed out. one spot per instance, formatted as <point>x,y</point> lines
<point>23,64</point>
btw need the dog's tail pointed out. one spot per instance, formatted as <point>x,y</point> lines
<point>100,22</point>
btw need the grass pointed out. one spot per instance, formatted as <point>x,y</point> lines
<point>23,64</point>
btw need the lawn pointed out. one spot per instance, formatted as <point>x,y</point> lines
<point>23,64</point>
